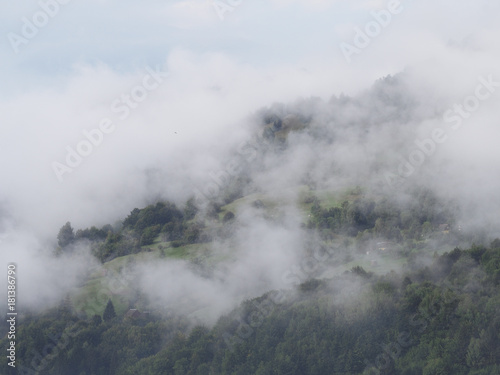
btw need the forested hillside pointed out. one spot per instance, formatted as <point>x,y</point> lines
<point>241,187</point>
<point>438,319</point>
<point>329,269</point>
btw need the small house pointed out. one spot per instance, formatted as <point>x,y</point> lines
<point>136,314</point>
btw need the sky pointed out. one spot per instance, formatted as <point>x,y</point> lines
<point>165,89</point>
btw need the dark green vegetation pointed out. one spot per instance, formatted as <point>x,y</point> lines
<point>438,319</point>
<point>347,313</point>
<point>141,228</point>
<point>163,225</point>
<point>350,222</point>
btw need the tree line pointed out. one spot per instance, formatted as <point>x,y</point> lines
<point>436,319</point>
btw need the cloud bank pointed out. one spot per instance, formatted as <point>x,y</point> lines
<point>68,78</point>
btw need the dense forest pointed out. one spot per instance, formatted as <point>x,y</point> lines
<point>438,319</point>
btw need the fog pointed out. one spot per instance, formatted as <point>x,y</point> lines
<point>203,85</point>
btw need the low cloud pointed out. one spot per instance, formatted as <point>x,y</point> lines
<point>220,75</point>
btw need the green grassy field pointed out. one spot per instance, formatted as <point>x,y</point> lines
<point>104,283</point>
<point>301,197</point>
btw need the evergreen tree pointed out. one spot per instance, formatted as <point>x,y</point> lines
<point>109,312</point>
<point>66,235</point>
<point>190,210</point>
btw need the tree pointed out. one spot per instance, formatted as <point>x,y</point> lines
<point>66,235</point>
<point>228,217</point>
<point>149,235</point>
<point>190,210</point>
<point>96,320</point>
<point>92,234</point>
<point>109,312</point>
<point>192,233</point>
<point>131,219</point>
